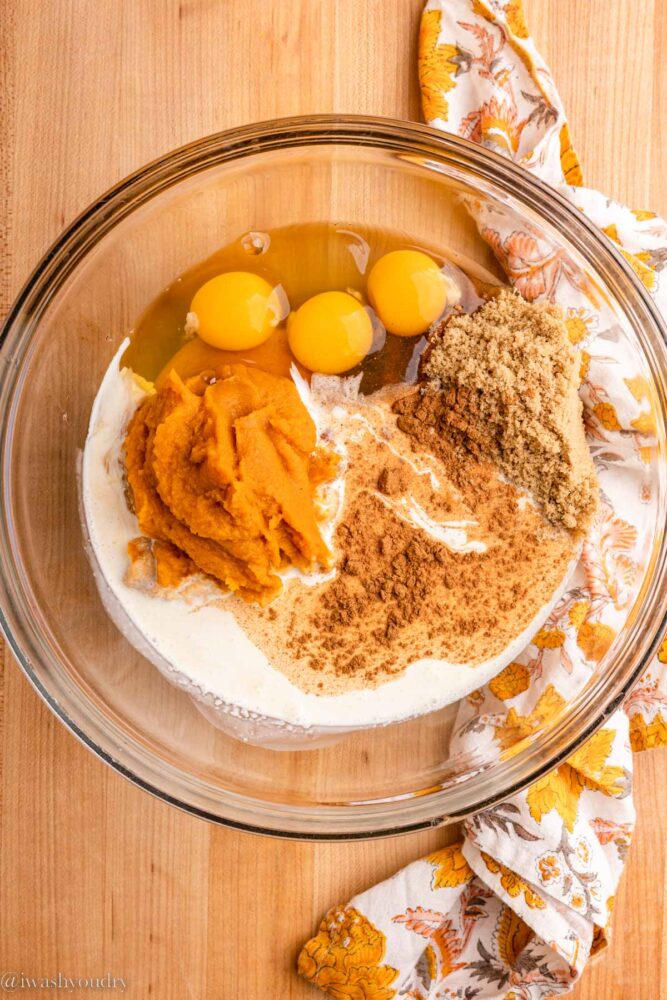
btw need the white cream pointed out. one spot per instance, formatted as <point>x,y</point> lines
<point>203,648</point>
<point>453,534</point>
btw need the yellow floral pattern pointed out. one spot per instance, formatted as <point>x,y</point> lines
<point>549,638</point>
<point>517,727</point>
<point>436,67</point>
<point>513,884</point>
<point>516,22</point>
<point>639,386</point>
<point>345,958</point>
<point>645,273</point>
<point>548,868</point>
<point>578,613</point>
<point>595,639</point>
<point>578,324</point>
<point>587,768</point>
<point>514,107</point>
<point>559,790</point>
<point>569,160</point>
<point>510,682</point>
<point>513,936</point>
<point>451,868</point>
<point>647,735</point>
<point>606,414</point>
<point>645,423</point>
<point>517,907</point>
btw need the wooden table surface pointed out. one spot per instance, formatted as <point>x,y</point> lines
<point>95,876</point>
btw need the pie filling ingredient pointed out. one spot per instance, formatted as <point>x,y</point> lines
<point>330,333</point>
<point>222,471</point>
<point>236,311</point>
<point>408,291</point>
<point>504,383</point>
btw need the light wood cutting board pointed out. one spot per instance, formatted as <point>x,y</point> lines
<point>95,876</point>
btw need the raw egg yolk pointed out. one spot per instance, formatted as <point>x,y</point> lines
<point>236,311</point>
<point>408,291</point>
<point>330,333</point>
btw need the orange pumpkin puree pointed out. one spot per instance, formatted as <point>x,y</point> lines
<point>222,470</point>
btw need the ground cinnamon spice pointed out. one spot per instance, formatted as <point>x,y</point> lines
<point>400,594</point>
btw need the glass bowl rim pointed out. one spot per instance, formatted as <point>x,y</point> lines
<point>312,822</point>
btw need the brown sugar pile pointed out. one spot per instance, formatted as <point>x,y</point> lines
<point>505,383</point>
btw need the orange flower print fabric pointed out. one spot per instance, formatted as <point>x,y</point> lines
<point>481,77</point>
<point>515,909</point>
<point>345,958</point>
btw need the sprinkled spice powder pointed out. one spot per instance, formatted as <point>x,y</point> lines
<point>401,593</point>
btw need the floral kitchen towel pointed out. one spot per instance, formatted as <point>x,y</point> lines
<point>516,908</point>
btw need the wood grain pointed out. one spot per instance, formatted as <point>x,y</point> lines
<point>95,876</point>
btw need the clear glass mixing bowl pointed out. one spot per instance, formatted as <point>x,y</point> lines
<point>58,340</point>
